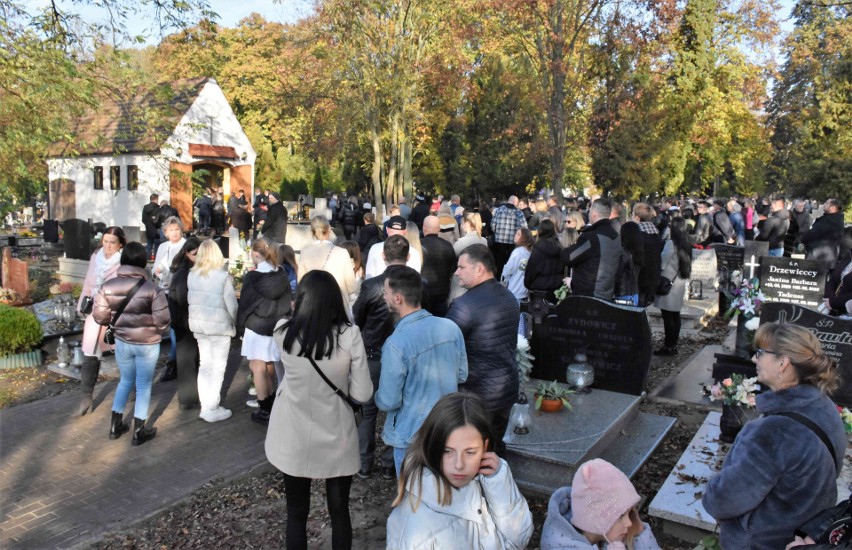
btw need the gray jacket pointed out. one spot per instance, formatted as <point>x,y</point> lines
<point>212,304</point>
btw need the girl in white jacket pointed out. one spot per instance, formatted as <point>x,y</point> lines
<point>454,492</point>
<point>212,313</point>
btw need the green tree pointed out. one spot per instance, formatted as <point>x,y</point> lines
<point>811,107</point>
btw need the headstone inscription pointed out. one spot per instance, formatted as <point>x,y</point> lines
<point>704,267</point>
<point>834,335</point>
<point>616,340</point>
<point>793,281</point>
<point>77,239</point>
<point>729,265</point>
<point>16,276</point>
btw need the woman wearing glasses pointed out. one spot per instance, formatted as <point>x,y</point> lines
<point>783,466</point>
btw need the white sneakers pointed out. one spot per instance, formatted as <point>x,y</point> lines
<point>215,415</point>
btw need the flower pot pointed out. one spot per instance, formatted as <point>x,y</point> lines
<point>732,421</point>
<point>19,360</point>
<point>550,405</point>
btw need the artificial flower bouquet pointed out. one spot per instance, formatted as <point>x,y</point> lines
<point>735,391</point>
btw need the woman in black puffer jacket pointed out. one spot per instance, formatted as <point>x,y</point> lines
<point>264,300</point>
<point>185,343</point>
<point>545,269</point>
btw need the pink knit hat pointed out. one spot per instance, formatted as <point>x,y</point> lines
<point>600,494</point>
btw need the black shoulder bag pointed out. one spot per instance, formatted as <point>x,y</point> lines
<point>357,410</point>
<point>109,334</point>
<point>834,525</point>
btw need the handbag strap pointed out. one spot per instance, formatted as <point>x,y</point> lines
<point>814,427</point>
<point>126,301</point>
<point>331,385</point>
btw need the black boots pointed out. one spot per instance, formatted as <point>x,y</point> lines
<point>88,378</point>
<point>141,432</point>
<point>171,371</point>
<point>117,427</point>
<point>261,416</point>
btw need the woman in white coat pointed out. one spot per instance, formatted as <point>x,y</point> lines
<point>454,492</point>
<point>212,314</point>
<point>103,266</point>
<point>312,433</point>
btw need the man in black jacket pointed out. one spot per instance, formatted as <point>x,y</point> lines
<point>822,242</point>
<point>439,263</point>
<point>275,226</point>
<point>701,234</point>
<point>488,316</point>
<point>774,228</point>
<point>595,258</point>
<point>370,312</point>
<point>722,230</point>
<point>150,219</point>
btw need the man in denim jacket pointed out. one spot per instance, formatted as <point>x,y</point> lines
<point>423,360</point>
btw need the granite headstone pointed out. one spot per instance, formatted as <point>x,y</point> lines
<point>16,276</point>
<point>77,239</point>
<point>704,267</point>
<point>793,281</point>
<point>834,335</point>
<point>616,340</point>
<point>729,265</point>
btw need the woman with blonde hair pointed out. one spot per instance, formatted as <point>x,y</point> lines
<point>212,315</point>
<point>322,254</point>
<point>453,490</point>
<point>412,235</point>
<point>472,225</point>
<point>783,466</point>
<point>571,228</point>
<point>264,300</point>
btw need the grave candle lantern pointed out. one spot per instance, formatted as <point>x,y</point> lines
<point>521,412</point>
<point>580,373</point>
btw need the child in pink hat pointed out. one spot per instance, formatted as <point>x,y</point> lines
<point>598,511</point>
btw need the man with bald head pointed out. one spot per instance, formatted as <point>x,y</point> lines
<point>439,264</point>
<point>505,222</point>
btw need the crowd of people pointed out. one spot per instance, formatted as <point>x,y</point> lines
<point>417,315</point>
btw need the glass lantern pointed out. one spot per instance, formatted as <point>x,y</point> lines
<point>522,415</point>
<point>63,353</point>
<point>580,374</point>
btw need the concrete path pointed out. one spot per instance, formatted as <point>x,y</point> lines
<point>64,484</point>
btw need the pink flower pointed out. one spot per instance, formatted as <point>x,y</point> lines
<point>751,400</point>
<point>727,382</point>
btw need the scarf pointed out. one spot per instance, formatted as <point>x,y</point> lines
<point>102,265</point>
<point>649,228</point>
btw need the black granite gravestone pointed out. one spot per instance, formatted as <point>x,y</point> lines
<point>77,239</point>
<point>729,265</point>
<point>793,281</point>
<point>834,335</point>
<point>758,249</point>
<point>51,231</point>
<point>616,339</point>
<point>704,267</point>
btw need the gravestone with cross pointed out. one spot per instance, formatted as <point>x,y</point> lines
<point>793,281</point>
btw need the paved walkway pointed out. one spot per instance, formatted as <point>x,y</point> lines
<point>64,484</point>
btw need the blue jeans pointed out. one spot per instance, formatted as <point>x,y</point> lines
<point>776,252</point>
<point>136,362</point>
<point>173,345</point>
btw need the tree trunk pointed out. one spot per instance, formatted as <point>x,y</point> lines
<point>377,165</point>
<point>407,183</point>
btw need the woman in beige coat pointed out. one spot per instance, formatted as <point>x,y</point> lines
<point>322,254</point>
<point>312,433</point>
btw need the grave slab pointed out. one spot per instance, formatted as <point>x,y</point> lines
<point>686,385</point>
<point>694,316</point>
<point>547,457</point>
<point>73,271</point>
<point>678,502</point>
